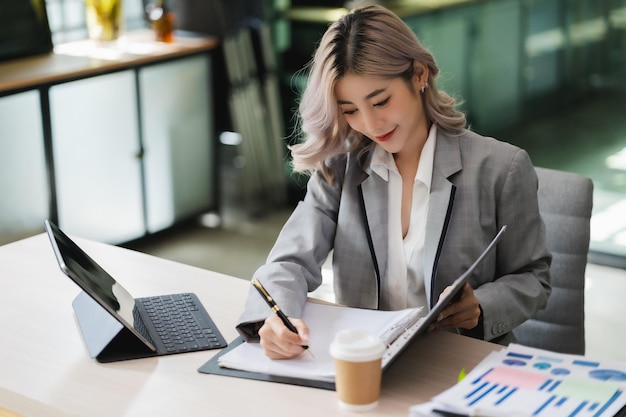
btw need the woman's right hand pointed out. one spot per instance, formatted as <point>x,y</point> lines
<point>279,342</point>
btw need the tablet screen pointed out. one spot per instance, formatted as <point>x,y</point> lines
<point>94,280</point>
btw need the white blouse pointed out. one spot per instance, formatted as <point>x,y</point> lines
<point>403,285</point>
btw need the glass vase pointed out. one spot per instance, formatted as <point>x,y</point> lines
<point>104,19</point>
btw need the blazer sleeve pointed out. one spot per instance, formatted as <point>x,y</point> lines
<point>294,265</point>
<point>522,283</point>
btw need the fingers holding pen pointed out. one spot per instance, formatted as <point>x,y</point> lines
<point>279,342</point>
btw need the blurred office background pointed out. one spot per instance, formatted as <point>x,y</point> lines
<point>547,75</point>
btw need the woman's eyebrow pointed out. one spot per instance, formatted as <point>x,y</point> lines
<point>367,97</point>
<point>375,93</point>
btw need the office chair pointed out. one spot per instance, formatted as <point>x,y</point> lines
<point>565,202</point>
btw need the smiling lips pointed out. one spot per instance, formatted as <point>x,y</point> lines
<point>386,136</point>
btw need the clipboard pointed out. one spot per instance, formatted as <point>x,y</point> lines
<point>213,367</point>
<point>404,339</point>
<point>398,340</point>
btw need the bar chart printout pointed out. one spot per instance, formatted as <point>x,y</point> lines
<point>523,381</point>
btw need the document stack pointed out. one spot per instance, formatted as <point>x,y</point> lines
<point>524,381</point>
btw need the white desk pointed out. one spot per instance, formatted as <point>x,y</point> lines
<point>45,368</point>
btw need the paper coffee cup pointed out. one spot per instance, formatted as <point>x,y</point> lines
<point>357,355</point>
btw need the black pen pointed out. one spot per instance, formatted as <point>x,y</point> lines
<point>270,302</point>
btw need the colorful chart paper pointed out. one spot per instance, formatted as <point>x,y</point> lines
<point>533,382</point>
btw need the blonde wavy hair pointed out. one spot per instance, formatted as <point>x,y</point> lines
<point>369,41</point>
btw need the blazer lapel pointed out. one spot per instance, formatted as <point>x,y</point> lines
<point>447,162</point>
<point>375,195</point>
<point>375,198</point>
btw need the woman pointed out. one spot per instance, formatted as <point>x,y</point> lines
<point>403,194</point>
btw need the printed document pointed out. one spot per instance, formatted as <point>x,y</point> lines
<point>524,381</point>
<point>324,321</point>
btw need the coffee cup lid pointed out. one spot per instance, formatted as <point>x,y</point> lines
<point>356,345</point>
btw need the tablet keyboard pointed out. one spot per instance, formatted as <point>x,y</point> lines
<point>179,323</point>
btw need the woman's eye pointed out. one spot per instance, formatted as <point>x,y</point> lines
<point>382,103</point>
<point>349,112</point>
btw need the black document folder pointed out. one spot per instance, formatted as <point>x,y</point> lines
<point>212,367</point>
<point>398,329</point>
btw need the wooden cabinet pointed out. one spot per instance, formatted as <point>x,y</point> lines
<point>23,178</point>
<point>97,157</point>
<point>112,143</point>
<point>177,120</point>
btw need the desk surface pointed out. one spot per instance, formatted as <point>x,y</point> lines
<point>44,365</point>
<point>85,58</point>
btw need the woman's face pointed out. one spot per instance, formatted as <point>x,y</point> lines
<point>385,110</point>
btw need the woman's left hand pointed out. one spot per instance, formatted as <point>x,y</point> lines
<point>463,313</point>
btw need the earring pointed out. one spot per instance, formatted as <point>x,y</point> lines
<point>424,87</point>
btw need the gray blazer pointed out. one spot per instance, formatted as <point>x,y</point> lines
<point>478,185</point>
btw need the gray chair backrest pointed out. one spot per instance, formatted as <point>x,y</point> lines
<point>565,203</point>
